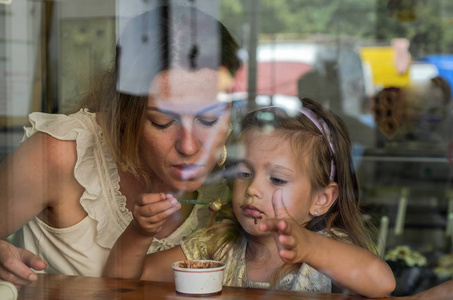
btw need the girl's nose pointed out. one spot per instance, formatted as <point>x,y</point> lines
<point>253,189</point>
<point>187,144</point>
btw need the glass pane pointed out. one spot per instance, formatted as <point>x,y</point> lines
<point>384,66</point>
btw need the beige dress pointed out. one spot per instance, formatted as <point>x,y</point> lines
<point>83,248</point>
<point>306,279</point>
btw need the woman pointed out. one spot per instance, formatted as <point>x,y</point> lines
<point>158,124</point>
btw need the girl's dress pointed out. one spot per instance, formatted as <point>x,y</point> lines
<point>83,248</point>
<point>235,274</point>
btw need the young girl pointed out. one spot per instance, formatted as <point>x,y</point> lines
<point>296,222</point>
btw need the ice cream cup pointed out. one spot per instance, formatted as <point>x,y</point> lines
<point>198,277</point>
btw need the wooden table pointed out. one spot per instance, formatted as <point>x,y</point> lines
<point>51,287</point>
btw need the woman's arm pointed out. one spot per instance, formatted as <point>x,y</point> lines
<point>24,184</point>
<point>32,179</point>
<point>128,257</point>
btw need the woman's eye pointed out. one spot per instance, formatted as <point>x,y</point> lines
<point>162,125</point>
<point>208,121</point>
<point>278,181</point>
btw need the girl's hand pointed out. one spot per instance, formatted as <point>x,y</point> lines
<point>151,211</point>
<point>289,236</point>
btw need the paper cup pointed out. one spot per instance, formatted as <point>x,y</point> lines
<point>198,277</point>
<point>8,291</point>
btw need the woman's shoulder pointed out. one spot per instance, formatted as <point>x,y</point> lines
<point>54,153</point>
<point>51,138</point>
<point>61,126</point>
<point>44,161</point>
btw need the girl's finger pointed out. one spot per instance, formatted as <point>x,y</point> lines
<point>287,255</point>
<point>287,241</point>
<point>284,227</point>
<point>268,225</point>
<point>279,207</point>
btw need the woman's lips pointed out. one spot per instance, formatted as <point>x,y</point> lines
<point>251,211</point>
<point>188,171</point>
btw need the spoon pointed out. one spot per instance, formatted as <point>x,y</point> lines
<point>214,204</point>
<point>199,201</point>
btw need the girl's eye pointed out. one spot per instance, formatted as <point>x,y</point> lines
<point>243,175</point>
<point>162,126</point>
<point>278,181</point>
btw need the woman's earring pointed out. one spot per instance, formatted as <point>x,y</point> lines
<point>223,157</point>
<point>316,212</point>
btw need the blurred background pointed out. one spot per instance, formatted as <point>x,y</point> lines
<point>384,66</point>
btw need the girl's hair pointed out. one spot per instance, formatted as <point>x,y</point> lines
<point>344,216</point>
<point>167,37</point>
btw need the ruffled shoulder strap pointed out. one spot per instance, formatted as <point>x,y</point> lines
<point>95,170</point>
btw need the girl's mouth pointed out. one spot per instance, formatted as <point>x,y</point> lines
<point>251,211</point>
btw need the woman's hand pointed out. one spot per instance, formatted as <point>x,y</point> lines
<point>16,264</point>
<point>127,258</point>
<point>291,238</point>
<point>151,211</point>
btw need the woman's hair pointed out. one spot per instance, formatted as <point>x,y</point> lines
<point>344,216</point>
<point>167,37</point>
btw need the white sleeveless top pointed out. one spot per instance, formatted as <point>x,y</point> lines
<point>83,248</point>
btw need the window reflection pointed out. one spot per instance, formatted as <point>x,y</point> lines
<point>384,66</point>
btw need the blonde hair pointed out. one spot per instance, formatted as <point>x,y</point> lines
<point>344,216</point>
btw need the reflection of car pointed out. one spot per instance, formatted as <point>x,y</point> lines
<point>279,66</point>
<point>444,65</point>
<point>330,72</point>
<point>422,72</point>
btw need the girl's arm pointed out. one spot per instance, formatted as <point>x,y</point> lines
<point>348,265</point>
<point>128,257</point>
<point>441,291</point>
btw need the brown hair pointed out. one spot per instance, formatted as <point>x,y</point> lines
<point>344,216</point>
<point>142,53</point>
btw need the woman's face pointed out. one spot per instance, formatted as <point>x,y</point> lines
<point>185,129</point>
<point>269,164</point>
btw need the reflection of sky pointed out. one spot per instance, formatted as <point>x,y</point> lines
<point>367,119</point>
<point>284,101</point>
<point>295,52</point>
<point>357,153</point>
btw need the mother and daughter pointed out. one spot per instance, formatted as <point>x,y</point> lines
<point>293,222</point>
<point>104,180</point>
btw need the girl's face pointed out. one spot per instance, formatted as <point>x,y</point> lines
<point>269,164</point>
<point>185,129</point>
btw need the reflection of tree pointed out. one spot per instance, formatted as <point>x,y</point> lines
<point>425,23</point>
<point>418,20</point>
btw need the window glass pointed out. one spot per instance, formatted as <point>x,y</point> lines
<point>384,66</point>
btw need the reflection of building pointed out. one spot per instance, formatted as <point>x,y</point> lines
<point>338,80</point>
<point>383,67</point>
